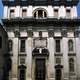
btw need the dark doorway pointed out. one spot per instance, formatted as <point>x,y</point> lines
<point>58,74</point>
<point>40,69</point>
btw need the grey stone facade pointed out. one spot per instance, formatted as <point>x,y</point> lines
<point>44,40</point>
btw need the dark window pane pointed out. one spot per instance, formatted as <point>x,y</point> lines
<point>22,73</point>
<point>40,14</point>
<point>22,47</point>
<point>40,33</point>
<point>57,45</point>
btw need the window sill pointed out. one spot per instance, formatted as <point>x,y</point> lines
<point>58,54</point>
<point>71,54</point>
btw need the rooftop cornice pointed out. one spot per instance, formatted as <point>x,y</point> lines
<point>39,3</point>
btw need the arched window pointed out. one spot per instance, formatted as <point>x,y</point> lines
<point>0,42</point>
<point>71,65</point>
<point>70,45</point>
<point>40,13</point>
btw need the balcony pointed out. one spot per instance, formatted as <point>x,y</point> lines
<point>44,21</point>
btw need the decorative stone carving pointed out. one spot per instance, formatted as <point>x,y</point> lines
<point>40,42</point>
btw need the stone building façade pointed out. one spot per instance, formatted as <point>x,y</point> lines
<point>44,39</point>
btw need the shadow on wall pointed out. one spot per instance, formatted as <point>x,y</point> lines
<point>7,66</point>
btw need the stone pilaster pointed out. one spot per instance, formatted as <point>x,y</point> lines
<point>50,67</point>
<point>15,59</point>
<point>65,58</point>
<point>29,58</point>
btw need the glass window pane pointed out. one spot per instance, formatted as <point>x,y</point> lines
<point>22,73</point>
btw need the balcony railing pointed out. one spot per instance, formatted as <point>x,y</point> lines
<point>44,21</point>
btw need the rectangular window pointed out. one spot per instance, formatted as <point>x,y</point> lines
<point>58,60</point>
<point>57,46</point>
<point>68,13</point>
<point>24,13</point>
<point>22,60</point>
<point>22,46</point>
<point>12,14</point>
<point>56,13</point>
